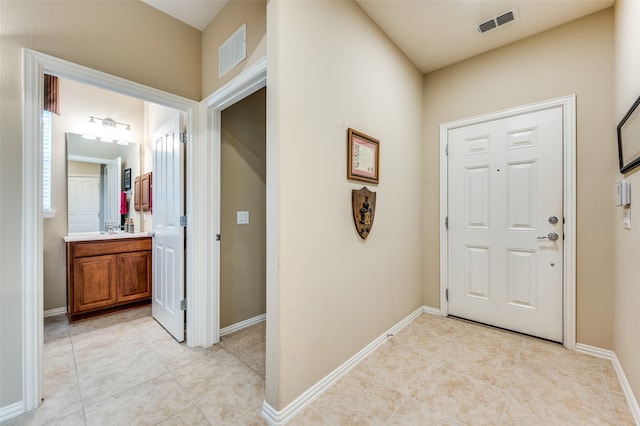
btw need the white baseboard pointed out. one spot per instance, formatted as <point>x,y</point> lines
<point>432,311</point>
<point>55,311</point>
<point>624,383</point>
<point>10,411</point>
<point>277,418</point>
<point>242,324</point>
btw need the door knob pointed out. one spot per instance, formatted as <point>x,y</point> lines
<point>551,236</point>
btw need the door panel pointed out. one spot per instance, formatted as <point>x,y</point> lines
<point>505,181</point>
<point>168,241</point>
<point>83,201</point>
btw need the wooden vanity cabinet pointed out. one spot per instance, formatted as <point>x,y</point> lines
<point>107,275</point>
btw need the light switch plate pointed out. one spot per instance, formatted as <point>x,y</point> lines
<point>242,217</point>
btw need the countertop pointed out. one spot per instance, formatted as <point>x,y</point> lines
<point>98,236</point>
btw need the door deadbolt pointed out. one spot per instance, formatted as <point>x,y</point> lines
<point>553,220</point>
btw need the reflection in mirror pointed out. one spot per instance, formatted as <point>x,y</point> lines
<point>96,197</point>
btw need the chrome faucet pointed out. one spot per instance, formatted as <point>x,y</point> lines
<point>111,226</point>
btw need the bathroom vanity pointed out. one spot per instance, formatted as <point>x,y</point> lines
<point>107,272</point>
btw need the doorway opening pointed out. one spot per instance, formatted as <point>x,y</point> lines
<point>243,229</point>
<point>246,84</point>
<point>35,66</point>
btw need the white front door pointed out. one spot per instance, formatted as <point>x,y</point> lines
<point>168,241</point>
<point>84,203</point>
<point>505,267</point>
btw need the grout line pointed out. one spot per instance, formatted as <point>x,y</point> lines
<point>75,367</point>
<point>610,398</point>
<point>511,380</point>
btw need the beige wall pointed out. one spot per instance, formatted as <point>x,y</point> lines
<point>128,39</point>
<point>626,343</point>
<point>77,102</point>
<point>331,68</point>
<point>230,18</point>
<point>576,58</point>
<point>81,168</point>
<point>242,249</point>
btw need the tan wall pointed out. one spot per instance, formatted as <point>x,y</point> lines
<point>331,68</point>
<point>128,39</point>
<point>242,249</point>
<point>77,102</point>
<point>80,168</point>
<point>575,58</point>
<point>627,242</point>
<point>230,18</point>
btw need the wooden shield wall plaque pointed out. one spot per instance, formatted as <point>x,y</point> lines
<point>363,203</point>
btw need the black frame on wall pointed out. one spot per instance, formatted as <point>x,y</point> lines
<point>629,139</point>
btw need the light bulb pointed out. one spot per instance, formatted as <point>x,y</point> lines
<point>90,129</point>
<point>127,135</point>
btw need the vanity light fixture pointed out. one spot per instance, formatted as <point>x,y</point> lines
<point>90,128</point>
<point>108,130</point>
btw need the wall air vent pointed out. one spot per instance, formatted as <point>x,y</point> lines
<point>232,51</point>
<point>497,21</point>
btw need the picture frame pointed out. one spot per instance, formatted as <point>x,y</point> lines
<point>629,139</point>
<point>363,157</point>
<point>127,179</point>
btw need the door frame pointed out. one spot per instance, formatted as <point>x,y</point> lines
<point>35,65</point>
<point>246,83</point>
<point>568,105</point>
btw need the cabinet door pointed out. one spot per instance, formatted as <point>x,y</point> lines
<point>146,202</point>
<point>94,282</point>
<point>134,276</point>
<point>136,194</point>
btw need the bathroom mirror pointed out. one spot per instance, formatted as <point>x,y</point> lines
<point>95,183</point>
<point>629,139</point>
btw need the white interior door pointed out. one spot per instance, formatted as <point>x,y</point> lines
<point>168,241</point>
<point>505,267</point>
<point>112,176</point>
<point>84,203</point>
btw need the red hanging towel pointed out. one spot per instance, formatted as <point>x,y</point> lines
<point>124,206</point>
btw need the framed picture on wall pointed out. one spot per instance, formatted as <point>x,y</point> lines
<point>629,139</point>
<point>127,179</point>
<point>363,157</point>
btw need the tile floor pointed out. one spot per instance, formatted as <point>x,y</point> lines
<point>125,369</point>
<point>444,371</point>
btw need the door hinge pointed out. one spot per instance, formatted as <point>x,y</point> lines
<point>183,305</point>
<point>446,222</point>
<point>183,221</point>
<point>446,294</point>
<point>218,237</point>
<point>183,137</point>
<point>446,149</point>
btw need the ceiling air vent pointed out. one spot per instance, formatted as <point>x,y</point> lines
<point>497,21</point>
<point>486,26</point>
<point>507,17</point>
